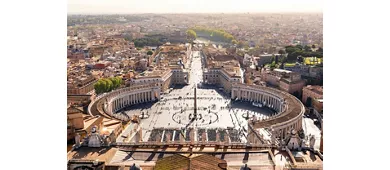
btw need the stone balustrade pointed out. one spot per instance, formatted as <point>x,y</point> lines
<point>289,109</point>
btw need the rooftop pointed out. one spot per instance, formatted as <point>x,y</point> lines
<point>316,89</point>
<point>87,153</point>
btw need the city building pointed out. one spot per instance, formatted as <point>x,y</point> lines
<point>221,69</point>
<point>312,93</point>
<point>82,84</point>
<point>265,59</point>
<point>285,80</point>
<point>224,114</point>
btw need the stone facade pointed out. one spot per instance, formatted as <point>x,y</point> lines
<point>285,80</point>
<point>81,85</point>
<point>314,92</point>
<point>221,78</point>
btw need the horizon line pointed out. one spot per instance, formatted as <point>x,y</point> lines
<point>268,12</point>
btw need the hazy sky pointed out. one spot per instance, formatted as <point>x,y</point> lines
<point>191,6</point>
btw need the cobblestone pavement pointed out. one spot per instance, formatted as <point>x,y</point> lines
<point>176,107</point>
<point>310,128</point>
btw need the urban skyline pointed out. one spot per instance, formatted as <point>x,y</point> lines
<point>202,6</point>
<point>195,90</point>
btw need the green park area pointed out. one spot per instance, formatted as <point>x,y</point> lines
<point>304,51</point>
<point>289,64</point>
<point>210,34</point>
<point>312,60</point>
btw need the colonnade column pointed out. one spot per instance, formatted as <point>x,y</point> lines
<point>116,104</point>
<point>152,93</point>
<point>130,99</point>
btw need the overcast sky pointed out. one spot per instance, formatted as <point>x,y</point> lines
<point>191,6</point>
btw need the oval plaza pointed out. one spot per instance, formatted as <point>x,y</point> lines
<point>195,102</point>
<point>198,111</point>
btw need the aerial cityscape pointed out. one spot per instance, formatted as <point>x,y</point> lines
<point>195,91</point>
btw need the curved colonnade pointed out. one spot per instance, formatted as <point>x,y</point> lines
<point>289,109</point>
<point>108,104</point>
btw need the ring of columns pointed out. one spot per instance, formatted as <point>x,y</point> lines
<point>108,104</point>
<point>289,109</point>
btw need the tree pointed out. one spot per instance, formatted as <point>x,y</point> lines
<point>320,49</point>
<point>293,56</point>
<point>273,64</point>
<point>282,52</point>
<point>281,65</point>
<point>191,35</point>
<point>107,84</point>
<point>273,58</point>
<point>240,44</point>
<point>313,46</point>
<point>234,42</point>
<point>283,58</point>
<point>307,48</point>
<point>149,53</point>
<point>214,34</point>
<point>246,44</point>
<point>115,82</point>
<point>99,86</point>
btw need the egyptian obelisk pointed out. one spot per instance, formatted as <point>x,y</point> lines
<point>195,107</point>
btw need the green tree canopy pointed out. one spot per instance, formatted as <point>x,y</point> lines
<point>282,52</point>
<point>272,58</point>
<point>273,64</point>
<point>191,34</point>
<point>149,53</point>
<point>307,48</point>
<point>219,34</point>
<point>107,84</point>
<point>295,51</point>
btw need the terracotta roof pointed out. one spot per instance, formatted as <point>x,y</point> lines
<point>86,153</point>
<point>178,161</point>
